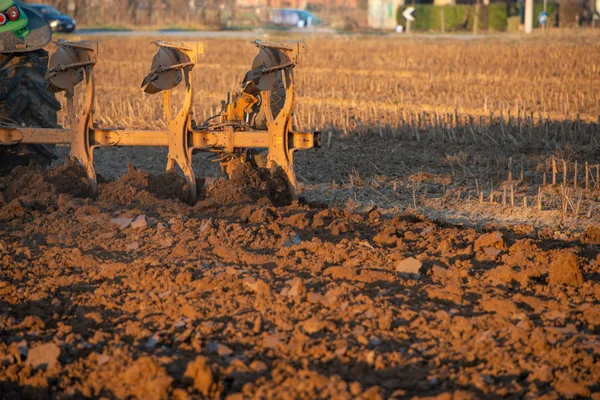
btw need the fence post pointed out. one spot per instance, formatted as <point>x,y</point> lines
<point>476,18</point>
<point>442,19</point>
<point>528,16</point>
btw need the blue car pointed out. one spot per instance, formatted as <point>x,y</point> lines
<point>58,21</point>
<point>293,18</point>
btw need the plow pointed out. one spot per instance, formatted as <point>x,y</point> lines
<point>254,124</point>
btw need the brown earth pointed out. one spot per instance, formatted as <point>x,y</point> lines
<point>248,184</point>
<point>135,294</point>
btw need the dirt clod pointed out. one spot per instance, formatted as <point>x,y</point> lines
<point>492,239</point>
<point>504,308</point>
<point>565,269</point>
<point>296,289</point>
<point>248,184</point>
<point>31,183</point>
<point>591,235</point>
<point>201,375</point>
<point>146,379</point>
<point>142,187</point>
<point>70,178</point>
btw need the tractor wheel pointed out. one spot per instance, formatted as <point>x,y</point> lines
<point>24,101</point>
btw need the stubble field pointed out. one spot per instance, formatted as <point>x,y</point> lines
<point>430,124</point>
<point>440,248</point>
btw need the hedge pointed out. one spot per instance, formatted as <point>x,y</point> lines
<point>492,17</point>
<point>497,17</point>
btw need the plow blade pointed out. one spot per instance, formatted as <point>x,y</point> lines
<point>272,57</point>
<point>227,134</point>
<point>168,63</point>
<point>66,65</point>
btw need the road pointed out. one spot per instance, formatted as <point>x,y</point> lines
<point>202,34</point>
<point>265,33</point>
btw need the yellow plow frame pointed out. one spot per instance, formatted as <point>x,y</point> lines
<point>73,63</point>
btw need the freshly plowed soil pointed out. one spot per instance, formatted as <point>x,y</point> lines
<point>140,186</point>
<point>132,293</point>
<point>30,183</point>
<point>249,184</point>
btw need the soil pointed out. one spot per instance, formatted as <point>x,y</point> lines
<point>140,186</point>
<point>132,293</point>
<point>249,184</point>
<point>31,183</point>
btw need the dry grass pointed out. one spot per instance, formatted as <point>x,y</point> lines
<point>356,84</point>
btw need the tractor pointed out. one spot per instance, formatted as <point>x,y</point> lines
<point>254,124</point>
<point>24,100</point>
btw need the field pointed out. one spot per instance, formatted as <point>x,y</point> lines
<point>446,243</point>
<point>483,116</point>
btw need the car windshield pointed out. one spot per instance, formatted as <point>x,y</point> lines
<point>50,11</point>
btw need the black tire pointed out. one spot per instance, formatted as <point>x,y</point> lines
<point>25,101</point>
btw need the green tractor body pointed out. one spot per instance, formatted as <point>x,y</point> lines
<point>13,19</point>
<point>21,28</point>
<point>24,100</point>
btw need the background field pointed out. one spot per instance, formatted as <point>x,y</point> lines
<point>440,125</point>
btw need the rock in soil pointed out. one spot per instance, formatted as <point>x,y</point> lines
<point>43,356</point>
<point>409,265</point>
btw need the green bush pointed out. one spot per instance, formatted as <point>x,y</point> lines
<point>454,16</point>
<point>429,17</point>
<point>458,15</point>
<point>497,17</point>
